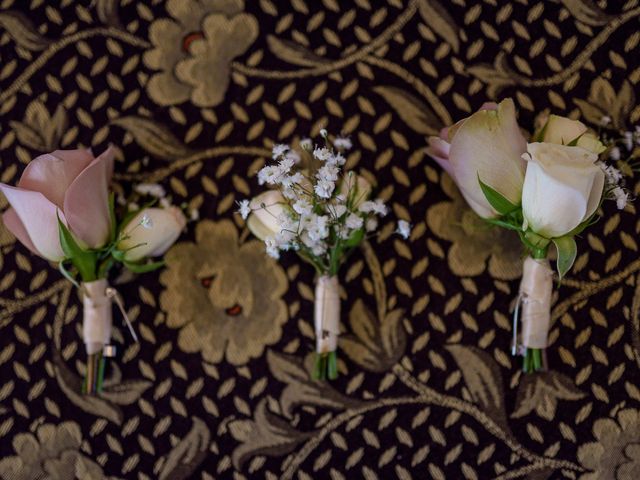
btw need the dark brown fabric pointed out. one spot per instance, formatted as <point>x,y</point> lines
<point>193,95</point>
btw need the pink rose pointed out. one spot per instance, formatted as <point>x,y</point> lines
<point>70,183</point>
<point>488,145</point>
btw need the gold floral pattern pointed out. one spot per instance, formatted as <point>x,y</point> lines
<point>52,454</point>
<point>616,452</point>
<point>193,94</point>
<point>224,296</point>
<point>476,246</point>
<point>194,48</point>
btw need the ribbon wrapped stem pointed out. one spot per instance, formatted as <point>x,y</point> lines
<point>534,307</point>
<point>327,326</point>
<point>97,323</point>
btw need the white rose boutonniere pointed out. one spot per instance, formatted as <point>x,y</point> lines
<point>549,198</point>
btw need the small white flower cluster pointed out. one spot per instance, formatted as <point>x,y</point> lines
<point>613,185</point>
<point>324,214</point>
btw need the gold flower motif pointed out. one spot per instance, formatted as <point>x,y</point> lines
<point>474,241</point>
<point>541,392</point>
<point>616,453</point>
<point>224,296</point>
<point>193,50</point>
<point>604,101</point>
<point>53,453</point>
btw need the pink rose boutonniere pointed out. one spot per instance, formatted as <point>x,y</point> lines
<point>63,211</point>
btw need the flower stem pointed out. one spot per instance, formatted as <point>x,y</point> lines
<point>325,366</point>
<point>533,356</point>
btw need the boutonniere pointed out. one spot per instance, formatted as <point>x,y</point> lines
<point>321,213</point>
<point>62,210</point>
<point>548,190</point>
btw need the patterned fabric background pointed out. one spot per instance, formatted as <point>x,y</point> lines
<point>193,94</point>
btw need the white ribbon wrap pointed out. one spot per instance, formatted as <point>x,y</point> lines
<point>327,313</point>
<point>535,290</point>
<point>97,316</point>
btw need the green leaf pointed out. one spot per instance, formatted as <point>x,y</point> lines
<point>567,251</point>
<point>501,204</point>
<point>143,267</point>
<point>504,224</point>
<point>83,260</point>
<point>355,239</point>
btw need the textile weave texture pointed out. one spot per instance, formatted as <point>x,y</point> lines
<point>193,94</point>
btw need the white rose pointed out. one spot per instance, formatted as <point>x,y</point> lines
<point>562,188</point>
<point>266,208</point>
<point>357,186</point>
<point>562,130</point>
<point>151,232</point>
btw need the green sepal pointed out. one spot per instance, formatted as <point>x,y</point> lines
<point>537,241</point>
<point>567,252</point>
<point>67,274</point>
<point>592,220</point>
<point>504,224</point>
<point>105,266</point>
<point>118,255</point>
<point>143,267</point>
<point>539,136</point>
<point>83,260</point>
<point>574,142</point>
<point>501,204</point>
<point>130,215</point>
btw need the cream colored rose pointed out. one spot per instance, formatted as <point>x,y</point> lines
<point>562,188</point>
<point>266,208</point>
<point>357,186</point>
<point>487,146</point>
<point>562,130</point>
<point>151,232</point>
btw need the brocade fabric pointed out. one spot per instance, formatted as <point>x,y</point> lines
<point>193,94</point>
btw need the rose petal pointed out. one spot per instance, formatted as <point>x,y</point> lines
<point>86,203</point>
<point>562,130</point>
<point>489,106</point>
<point>489,145</point>
<point>263,221</point>
<point>14,225</point>
<point>38,215</point>
<point>163,226</point>
<point>541,196</point>
<point>52,173</point>
<point>438,149</point>
<point>596,194</point>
